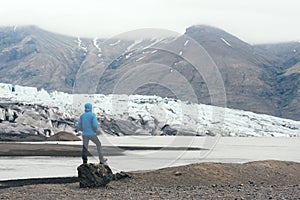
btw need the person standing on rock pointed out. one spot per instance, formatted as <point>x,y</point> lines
<point>88,124</point>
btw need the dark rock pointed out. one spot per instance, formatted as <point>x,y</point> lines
<point>110,126</point>
<point>128,126</point>
<point>251,182</point>
<point>97,175</point>
<point>94,175</point>
<point>121,175</point>
<point>177,173</point>
<point>63,136</point>
<point>167,130</point>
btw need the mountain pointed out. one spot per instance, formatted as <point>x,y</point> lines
<point>34,57</point>
<point>289,52</point>
<point>204,65</point>
<point>246,70</point>
<point>288,81</point>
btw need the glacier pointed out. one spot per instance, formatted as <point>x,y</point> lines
<point>188,118</point>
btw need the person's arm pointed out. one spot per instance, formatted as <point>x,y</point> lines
<point>95,123</point>
<point>79,124</point>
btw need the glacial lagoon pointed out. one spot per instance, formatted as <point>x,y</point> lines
<point>212,149</point>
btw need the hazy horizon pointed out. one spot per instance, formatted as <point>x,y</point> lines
<point>252,21</point>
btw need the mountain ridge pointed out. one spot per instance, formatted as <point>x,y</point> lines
<point>258,78</point>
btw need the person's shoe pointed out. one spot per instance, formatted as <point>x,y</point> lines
<point>84,162</point>
<point>104,161</point>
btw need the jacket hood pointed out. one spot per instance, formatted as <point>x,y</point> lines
<point>88,107</point>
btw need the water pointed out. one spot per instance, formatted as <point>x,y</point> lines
<point>226,149</point>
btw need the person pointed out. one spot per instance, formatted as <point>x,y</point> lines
<point>88,124</point>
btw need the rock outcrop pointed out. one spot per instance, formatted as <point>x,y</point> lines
<point>127,125</point>
<point>94,175</point>
<point>63,136</point>
<point>97,175</point>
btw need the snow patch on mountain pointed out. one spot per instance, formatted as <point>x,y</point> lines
<point>154,41</point>
<point>227,43</point>
<point>96,44</point>
<point>114,44</point>
<point>186,43</point>
<point>79,44</point>
<point>129,55</point>
<point>139,59</point>
<point>78,41</point>
<point>136,42</point>
<point>97,47</point>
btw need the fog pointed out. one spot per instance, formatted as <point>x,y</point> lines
<point>251,20</point>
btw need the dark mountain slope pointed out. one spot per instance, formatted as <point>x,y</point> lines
<point>34,57</point>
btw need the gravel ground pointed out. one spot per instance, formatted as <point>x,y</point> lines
<point>254,180</point>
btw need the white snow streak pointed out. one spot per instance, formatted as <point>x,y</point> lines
<point>97,47</point>
<point>79,44</point>
<point>180,53</point>
<point>128,55</point>
<point>153,43</point>
<point>186,42</point>
<point>114,44</point>
<point>226,42</point>
<point>141,58</point>
<point>78,41</point>
<point>96,44</point>
<point>85,49</point>
<point>136,42</point>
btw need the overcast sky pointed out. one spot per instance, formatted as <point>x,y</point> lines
<point>254,21</point>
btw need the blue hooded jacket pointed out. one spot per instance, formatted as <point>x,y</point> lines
<point>88,123</point>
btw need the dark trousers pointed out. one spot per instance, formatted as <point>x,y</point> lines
<point>85,147</point>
